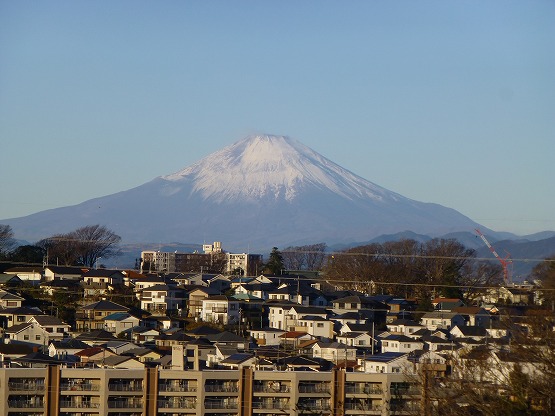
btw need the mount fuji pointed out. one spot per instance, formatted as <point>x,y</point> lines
<point>259,192</point>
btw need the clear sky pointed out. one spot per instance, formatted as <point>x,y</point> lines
<point>441,101</point>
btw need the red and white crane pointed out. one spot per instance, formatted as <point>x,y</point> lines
<point>505,262</point>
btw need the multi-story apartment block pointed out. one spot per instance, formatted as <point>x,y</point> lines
<point>213,259</point>
<point>148,392</point>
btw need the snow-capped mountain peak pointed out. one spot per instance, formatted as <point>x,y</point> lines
<point>265,166</point>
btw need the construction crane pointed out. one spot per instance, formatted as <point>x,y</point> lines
<point>505,262</point>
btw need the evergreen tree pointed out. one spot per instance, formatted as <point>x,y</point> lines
<point>275,262</point>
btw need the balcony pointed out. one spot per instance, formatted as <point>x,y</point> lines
<point>363,389</point>
<point>126,385</point>
<point>177,404</point>
<point>313,405</point>
<point>26,404</point>
<point>272,387</point>
<point>221,388</point>
<point>26,386</point>
<point>220,404</point>
<point>177,388</point>
<point>125,404</point>
<point>79,405</point>
<point>282,405</point>
<point>363,406</point>
<point>79,387</point>
<point>314,388</point>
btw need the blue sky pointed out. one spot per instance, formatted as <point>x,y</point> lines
<point>446,102</point>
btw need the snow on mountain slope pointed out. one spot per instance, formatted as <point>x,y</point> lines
<point>260,192</point>
<point>261,166</point>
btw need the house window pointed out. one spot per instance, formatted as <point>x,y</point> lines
<point>37,337</point>
<point>26,337</point>
<point>20,319</point>
<point>320,325</point>
<point>353,305</point>
<point>341,306</point>
<point>11,303</point>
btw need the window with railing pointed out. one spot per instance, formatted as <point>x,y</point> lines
<point>177,385</point>
<point>26,384</point>
<point>269,386</point>
<point>122,384</point>
<point>25,402</point>
<point>363,388</point>
<point>224,403</point>
<point>217,386</point>
<point>314,387</point>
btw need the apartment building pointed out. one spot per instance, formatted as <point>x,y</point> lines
<point>61,391</point>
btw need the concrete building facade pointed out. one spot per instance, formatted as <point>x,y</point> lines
<point>57,391</point>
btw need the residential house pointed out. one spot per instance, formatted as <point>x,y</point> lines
<point>334,351</point>
<point>97,282</point>
<point>220,309</point>
<point>28,333</point>
<point>400,343</point>
<point>197,295</point>
<point>94,355</point>
<point>66,348</point>
<point>9,280</point>
<point>9,300</point>
<point>163,299</point>
<point>374,310</point>
<point>63,273</point>
<point>17,315</point>
<point>286,315</point>
<point>442,320</point>
<point>316,326</point>
<point>356,339</point>
<point>266,336</point>
<point>141,334</point>
<point>59,286</point>
<point>91,317</point>
<point>474,315</point>
<point>387,362</point>
<point>516,295</point>
<point>31,274</point>
<point>446,304</point>
<point>477,333</point>
<point>404,326</point>
<point>118,322</point>
<point>54,327</point>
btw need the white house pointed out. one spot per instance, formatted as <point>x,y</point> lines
<point>159,299</point>
<point>442,320</point>
<point>403,327</point>
<point>316,326</point>
<point>389,362</point>
<point>220,309</point>
<point>54,327</point>
<point>400,343</point>
<point>27,274</point>
<point>266,336</point>
<point>334,351</point>
<point>356,339</point>
<point>63,273</point>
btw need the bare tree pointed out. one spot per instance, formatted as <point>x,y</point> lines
<point>308,257</point>
<point>83,246</point>
<point>7,241</point>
